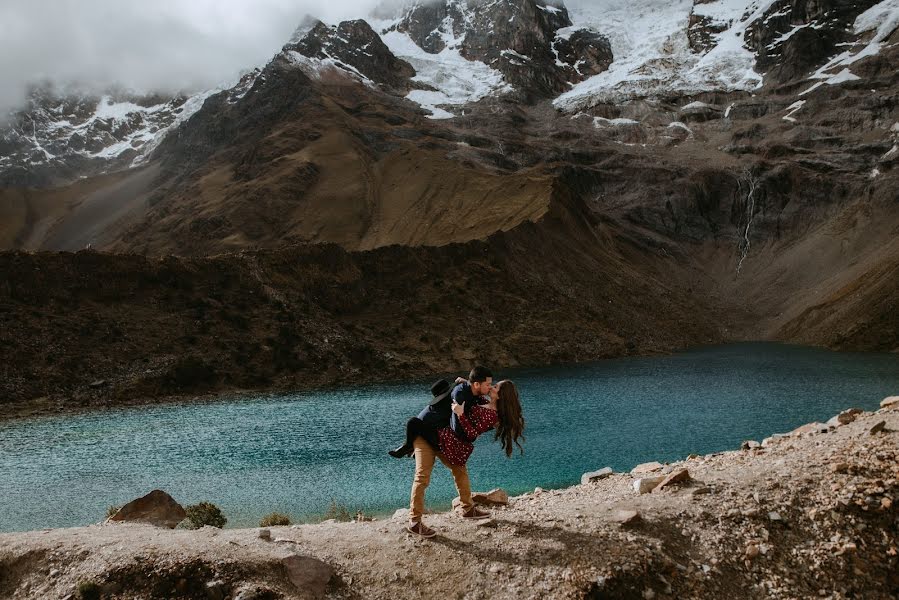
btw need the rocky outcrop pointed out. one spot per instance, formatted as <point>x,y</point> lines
<point>520,38</point>
<point>354,47</point>
<point>795,36</point>
<point>156,508</point>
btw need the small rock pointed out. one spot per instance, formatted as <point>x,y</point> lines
<point>98,384</point>
<point>879,427</point>
<point>809,428</point>
<point>886,503</point>
<point>645,485</point>
<point>538,490</point>
<point>309,575</point>
<point>401,514</point>
<point>890,402</point>
<point>752,551</point>
<point>627,517</point>
<point>648,594</point>
<point>840,467</point>
<point>678,476</point>
<point>495,497</point>
<point>649,467</point>
<point>216,590</point>
<point>55,572</point>
<point>596,475</point>
<point>265,534</point>
<point>750,445</point>
<point>702,491</point>
<point>775,517</point>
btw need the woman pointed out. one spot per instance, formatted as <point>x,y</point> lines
<point>502,412</point>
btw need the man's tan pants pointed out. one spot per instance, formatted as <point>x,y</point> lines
<point>424,464</point>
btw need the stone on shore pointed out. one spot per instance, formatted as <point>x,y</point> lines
<point>156,508</point>
<point>645,485</point>
<point>750,445</point>
<point>649,467</point>
<point>845,417</point>
<point>596,475</point>
<point>309,575</point>
<point>809,428</point>
<point>890,402</point>
<point>678,476</point>
<point>627,517</point>
<point>495,497</point>
<point>878,427</point>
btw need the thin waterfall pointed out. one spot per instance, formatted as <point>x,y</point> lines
<point>747,185</point>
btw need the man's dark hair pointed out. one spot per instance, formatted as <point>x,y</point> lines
<point>479,375</point>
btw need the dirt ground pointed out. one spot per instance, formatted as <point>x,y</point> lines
<point>812,514</point>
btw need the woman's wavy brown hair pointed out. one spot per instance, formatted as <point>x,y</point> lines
<point>511,423</point>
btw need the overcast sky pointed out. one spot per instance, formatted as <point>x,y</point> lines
<point>147,44</point>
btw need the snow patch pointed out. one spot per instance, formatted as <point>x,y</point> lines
<point>793,108</point>
<point>455,79</point>
<point>652,56</point>
<point>882,17</point>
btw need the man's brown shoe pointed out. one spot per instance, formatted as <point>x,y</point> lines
<point>420,529</point>
<point>475,514</point>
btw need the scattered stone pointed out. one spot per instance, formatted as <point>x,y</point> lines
<point>495,497</point>
<point>648,594</point>
<point>649,467</point>
<point>98,384</point>
<point>256,592</point>
<point>265,534</point>
<point>538,490</point>
<point>216,590</point>
<point>890,402</point>
<point>702,491</point>
<point>307,574</point>
<point>750,445</point>
<point>627,517</point>
<point>840,467</point>
<point>156,508</point>
<point>596,475</point>
<point>678,476</point>
<point>809,428</point>
<point>645,485</point>
<point>886,503</point>
<point>880,426</point>
<point>752,551</point>
<point>775,517</point>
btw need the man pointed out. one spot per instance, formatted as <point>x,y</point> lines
<point>438,414</point>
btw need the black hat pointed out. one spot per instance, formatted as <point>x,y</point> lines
<point>440,390</point>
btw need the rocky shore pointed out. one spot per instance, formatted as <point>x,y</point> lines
<point>809,514</point>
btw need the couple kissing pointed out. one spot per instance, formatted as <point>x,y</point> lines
<point>446,430</point>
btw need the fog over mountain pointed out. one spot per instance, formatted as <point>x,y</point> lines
<point>166,45</point>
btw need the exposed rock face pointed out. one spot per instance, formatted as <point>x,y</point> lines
<point>520,38</point>
<point>59,136</point>
<point>309,576</point>
<point>355,47</point>
<point>156,508</point>
<point>794,36</point>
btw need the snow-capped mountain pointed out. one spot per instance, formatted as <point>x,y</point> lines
<point>445,56</point>
<point>62,134</point>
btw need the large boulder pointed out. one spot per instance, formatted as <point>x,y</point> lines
<point>156,508</point>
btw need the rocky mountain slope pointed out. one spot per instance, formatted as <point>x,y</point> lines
<point>812,514</point>
<point>733,160</point>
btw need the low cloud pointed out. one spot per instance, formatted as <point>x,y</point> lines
<point>164,45</point>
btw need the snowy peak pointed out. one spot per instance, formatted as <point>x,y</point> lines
<point>355,48</point>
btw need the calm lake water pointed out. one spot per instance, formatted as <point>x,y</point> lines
<point>297,453</point>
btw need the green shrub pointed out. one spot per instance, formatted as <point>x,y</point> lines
<point>112,510</point>
<point>275,520</point>
<point>338,512</point>
<point>204,513</point>
<point>88,590</point>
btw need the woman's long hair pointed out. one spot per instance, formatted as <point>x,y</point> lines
<point>511,423</point>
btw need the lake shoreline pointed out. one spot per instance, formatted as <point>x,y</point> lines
<point>792,515</point>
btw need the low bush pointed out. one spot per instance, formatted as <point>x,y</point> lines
<point>88,590</point>
<point>112,510</point>
<point>338,512</point>
<point>204,513</point>
<point>275,520</point>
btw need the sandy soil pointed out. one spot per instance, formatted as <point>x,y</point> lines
<point>812,514</point>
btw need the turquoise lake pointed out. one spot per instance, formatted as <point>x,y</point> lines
<point>296,453</point>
